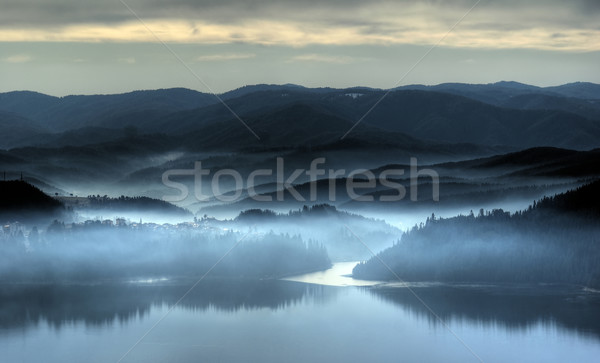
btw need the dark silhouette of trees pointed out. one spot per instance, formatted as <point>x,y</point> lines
<point>19,196</point>
<point>92,251</point>
<point>556,240</point>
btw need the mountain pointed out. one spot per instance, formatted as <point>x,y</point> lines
<point>16,130</point>
<point>583,90</point>
<point>26,103</point>
<point>504,113</point>
<point>133,108</point>
<point>250,104</point>
<point>435,116</point>
<point>583,201</point>
<point>579,98</point>
<point>309,125</point>
<point>538,101</point>
<point>20,200</point>
<point>96,163</point>
<point>242,91</point>
<point>496,93</point>
<point>293,126</point>
<point>529,157</point>
<point>450,118</point>
<point>493,93</point>
<point>285,88</point>
<point>82,137</point>
<point>553,241</point>
<point>537,162</point>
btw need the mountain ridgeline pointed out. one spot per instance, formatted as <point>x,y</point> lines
<point>122,144</point>
<point>504,113</point>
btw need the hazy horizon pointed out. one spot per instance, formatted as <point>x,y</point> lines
<point>81,47</point>
<point>299,85</point>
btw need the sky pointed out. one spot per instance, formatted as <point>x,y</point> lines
<point>62,47</point>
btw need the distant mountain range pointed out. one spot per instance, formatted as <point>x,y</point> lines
<point>122,144</point>
<point>505,113</point>
<point>520,177</point>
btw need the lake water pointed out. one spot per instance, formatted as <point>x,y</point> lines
<point>225,320</point>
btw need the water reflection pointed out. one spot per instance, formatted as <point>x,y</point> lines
<point>285,321</point>
<point>512,308</point>
<point>27,305</point>
<point>340,274</point>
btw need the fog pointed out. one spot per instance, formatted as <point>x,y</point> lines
<point>554,241</point>
<point>116,260</point>
<point>104,237</point>
<point>98,251</point>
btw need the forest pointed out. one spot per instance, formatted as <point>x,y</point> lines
<point>96,251</point>
<point>555,240</point>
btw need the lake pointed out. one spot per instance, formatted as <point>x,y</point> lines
<point>295,320</point>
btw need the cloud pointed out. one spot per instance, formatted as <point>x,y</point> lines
<point>224,57</point>
<point>413,31</point>
<point>127,60</point>
<point>18,58</point>
<point>60,12</point>
<point>503,24</point>
<point>322,58</point>
<point>70,12</point>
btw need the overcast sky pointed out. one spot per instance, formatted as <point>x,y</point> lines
<point>90,46</point>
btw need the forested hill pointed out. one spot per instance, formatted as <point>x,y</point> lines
<point>556,240</point>
<point>324,223</point>
<point>582,202</point>
<point>19,199</point>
